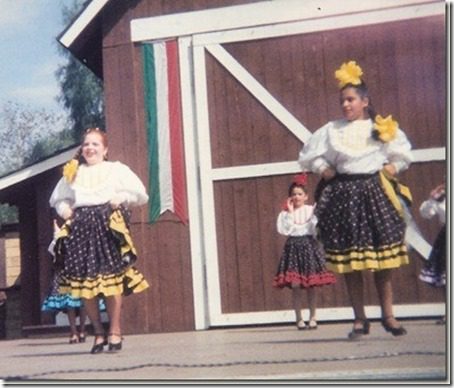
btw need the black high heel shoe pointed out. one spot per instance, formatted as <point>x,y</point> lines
<point>358,332</point>
<point>98,347</point>
<point>395,331</point>
<point>116,346</point>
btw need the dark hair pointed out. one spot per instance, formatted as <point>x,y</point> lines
<point>363,92</point>
<point>296,184</point>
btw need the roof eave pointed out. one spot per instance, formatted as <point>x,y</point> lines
<point>83,37</point>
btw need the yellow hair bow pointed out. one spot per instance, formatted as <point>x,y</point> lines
<point>70,170</point>
<point>385,129</point>
<point>349,73</point>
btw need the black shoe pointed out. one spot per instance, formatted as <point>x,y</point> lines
<point>395,331</point>
<point>98,347</point>
<point>82,337</point>
<point>356,333</point>
<point>115,347</point>
<point>441,321</point>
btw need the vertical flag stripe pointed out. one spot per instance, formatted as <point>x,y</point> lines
<point>162,94</point>
<point>151,122</point>
<point>176,141</point>
<point>167,184</point>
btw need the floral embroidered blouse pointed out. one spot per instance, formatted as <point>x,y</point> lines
<point>348,148</point>
<point>98,184</point>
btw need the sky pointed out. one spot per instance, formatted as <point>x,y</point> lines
<point>28,52</point>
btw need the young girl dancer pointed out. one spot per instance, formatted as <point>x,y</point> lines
<point>434,272</point>
<point>302,264</point>
<point>360,217</point>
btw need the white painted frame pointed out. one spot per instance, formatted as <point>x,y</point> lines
<point>194,42</point>
<point>35,169</point>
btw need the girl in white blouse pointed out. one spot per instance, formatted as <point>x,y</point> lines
<point>94,246</point>
<point>302,263</point>
<point>360,222</point>
<point>434,271</point>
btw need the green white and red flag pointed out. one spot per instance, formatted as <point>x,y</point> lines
<point>167,181</point>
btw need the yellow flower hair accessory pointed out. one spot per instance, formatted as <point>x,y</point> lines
<point>70,170</point>
<point>385,129</point>
<point>349,73</point>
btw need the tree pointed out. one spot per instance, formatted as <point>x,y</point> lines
<point>21,128</point>
<point>81,92</point>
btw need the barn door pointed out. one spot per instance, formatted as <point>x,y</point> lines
<point>257,91</point>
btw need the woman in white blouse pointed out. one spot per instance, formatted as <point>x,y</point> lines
<point>359,221</point>
<point>94,246</point>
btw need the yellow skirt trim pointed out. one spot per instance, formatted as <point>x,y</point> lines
<point>358,259</point>
<point>129,281</point>
<point>117,224</point>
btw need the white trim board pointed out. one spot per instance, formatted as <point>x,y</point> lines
<point>192,179</point>
<point>335,22</point>
<point>206,185</point>
<point>259,92</point>
<point>36,169</point>
<point>293,167</point>
<point>256,14</point>
<point>82,21</point>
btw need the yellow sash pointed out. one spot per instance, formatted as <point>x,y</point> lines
<point>394,189</point>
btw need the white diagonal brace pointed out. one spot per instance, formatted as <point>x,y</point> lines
<point>259,92</point>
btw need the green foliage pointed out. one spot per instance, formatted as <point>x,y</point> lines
<point>81,92</point>
<point>8,214</point>
<point>21,128</point>
<point>51,145</point>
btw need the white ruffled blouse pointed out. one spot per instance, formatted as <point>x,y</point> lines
<point>98,184</point>
<point>300,222</point>
<point>348,148</point>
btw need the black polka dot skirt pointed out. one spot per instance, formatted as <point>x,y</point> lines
<point>359,227</point>
<point>434,271</point>
<point>91,257</point>
<point>302,263</point>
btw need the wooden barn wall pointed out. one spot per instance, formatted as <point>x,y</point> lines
<point>43,185</point>
<point>163,247</point>
<point>35,233</point>
<point>30,282</point>
<point>404,65</point>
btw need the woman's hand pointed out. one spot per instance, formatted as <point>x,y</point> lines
<point>67,213</point>
<point>438,192</point>
<point>115,203</point>
<point>390,169</point>
<point>328,173</point>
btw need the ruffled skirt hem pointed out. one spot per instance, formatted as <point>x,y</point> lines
<point>125,283</point>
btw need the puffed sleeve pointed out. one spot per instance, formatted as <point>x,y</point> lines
<point>285,223</point>
<point>62,198</point>
<point>312,155</point>
<point>398,151</point>
<point>130,189</point>
<point>431,208</point>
